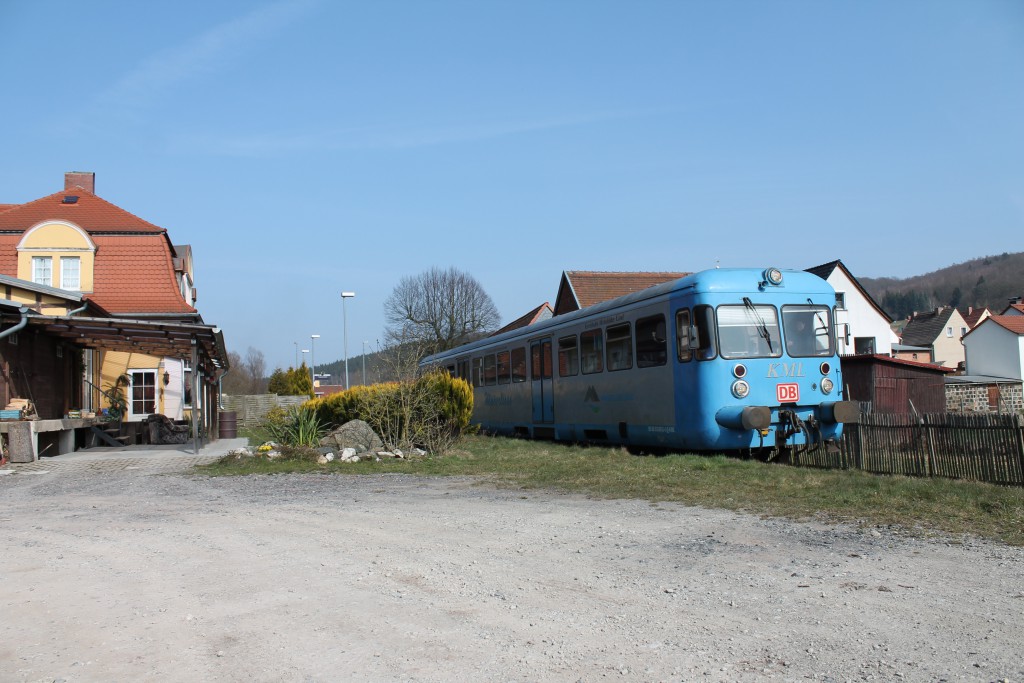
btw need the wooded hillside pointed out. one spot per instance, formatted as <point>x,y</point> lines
<point>988,281</point>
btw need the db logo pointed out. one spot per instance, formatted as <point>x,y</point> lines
<point>787,393</point>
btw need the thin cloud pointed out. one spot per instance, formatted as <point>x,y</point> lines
<point>207,53</point>
<point>378,138</point>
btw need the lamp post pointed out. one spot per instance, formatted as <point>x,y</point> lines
<point>296,355</point>
<point>344,324</point>
<point>312,360</point>
<point>304,352</point>
<point>364,362</point>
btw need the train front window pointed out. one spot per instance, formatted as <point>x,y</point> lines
<point>808,331</point>
<point>749,331</point>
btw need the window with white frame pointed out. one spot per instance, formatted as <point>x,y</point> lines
<point>42,270</point>
<point>70,273</point>
<point>840,300</point>
<point>949,331</point>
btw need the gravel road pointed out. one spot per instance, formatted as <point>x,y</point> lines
<point>136,574</point>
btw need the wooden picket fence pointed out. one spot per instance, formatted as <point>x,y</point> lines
<point>982,447</point>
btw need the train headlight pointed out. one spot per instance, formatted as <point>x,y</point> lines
<point>740,371</point>
<point>825,368</point>
<point>773,276</point>
<point>740,389</point>
<point>826,385</point>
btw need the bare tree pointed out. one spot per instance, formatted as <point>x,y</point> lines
<point>256,367</point>
<point>438,310</point>
<point>247,376</point>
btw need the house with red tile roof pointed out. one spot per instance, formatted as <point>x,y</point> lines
<point>542,312</point>
<point>972,316</point>
<point>77,242</point>
<point>1015,308</point>
<point>995,348</point>
<point>582,288</point>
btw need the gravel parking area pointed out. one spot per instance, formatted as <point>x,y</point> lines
<point>143,573</point>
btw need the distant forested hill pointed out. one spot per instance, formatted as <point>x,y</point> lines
<point>989,281</point>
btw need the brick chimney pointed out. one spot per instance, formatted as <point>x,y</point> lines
<point>83,179</point>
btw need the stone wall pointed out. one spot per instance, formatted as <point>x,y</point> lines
<point>979,398</point>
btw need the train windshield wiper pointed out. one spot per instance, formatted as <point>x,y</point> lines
<point>762,328</point>
<point>817,316</point>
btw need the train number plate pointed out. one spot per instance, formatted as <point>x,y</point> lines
<point>787,393</point>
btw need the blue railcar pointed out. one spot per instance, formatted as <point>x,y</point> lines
<point>723,360</point>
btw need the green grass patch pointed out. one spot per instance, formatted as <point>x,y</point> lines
<point>919,505</point>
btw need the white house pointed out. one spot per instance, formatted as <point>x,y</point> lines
<point>995,348</point>
<point>856,313</point>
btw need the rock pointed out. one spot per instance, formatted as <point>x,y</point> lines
<point>240,453</point>
<point>329,456</point>
<point>419,452</point>
<point>348,453</point>
<point>324,450</point>
<point>398,453</point>
<point>354,434</point>
<point>322,459</point>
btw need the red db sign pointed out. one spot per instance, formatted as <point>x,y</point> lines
<point>787,393</point>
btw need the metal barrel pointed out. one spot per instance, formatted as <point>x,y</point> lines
<point>228,420</point>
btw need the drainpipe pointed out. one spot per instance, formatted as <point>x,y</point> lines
<point>78,310</point>
<point>22,310</point>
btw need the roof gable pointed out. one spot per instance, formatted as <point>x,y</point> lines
<point>542,312</point>
<point>825,270</point>
<point>582,288</point>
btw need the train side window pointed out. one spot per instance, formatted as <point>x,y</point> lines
<point>568,357</point>
<point>519,364</point>
<point>683,347</point>
<point>463,369</point>
<point>477,372</point>
<point>704,320</point>
<point>651,344</point>
<point>591,352</point>
<point>504,368</point>
<point>450,369</point>
<point>619,347</point>
<point>490,370</point>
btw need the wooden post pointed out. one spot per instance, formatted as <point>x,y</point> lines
<point>1019,429</point>
<point>196,398</point>
<point>929,465</point>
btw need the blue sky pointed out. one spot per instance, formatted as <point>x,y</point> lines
<point>309,147</point>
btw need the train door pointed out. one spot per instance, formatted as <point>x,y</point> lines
<point>540,376</point>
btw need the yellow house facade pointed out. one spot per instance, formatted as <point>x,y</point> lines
<point>72,250</point>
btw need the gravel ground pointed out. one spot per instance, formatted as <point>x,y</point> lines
<point>136,574</point>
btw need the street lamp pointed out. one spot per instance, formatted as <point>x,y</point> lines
<point>304,352</point>
<point>312,360</point>
<point>364,362</point>
<point>344,323</point>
